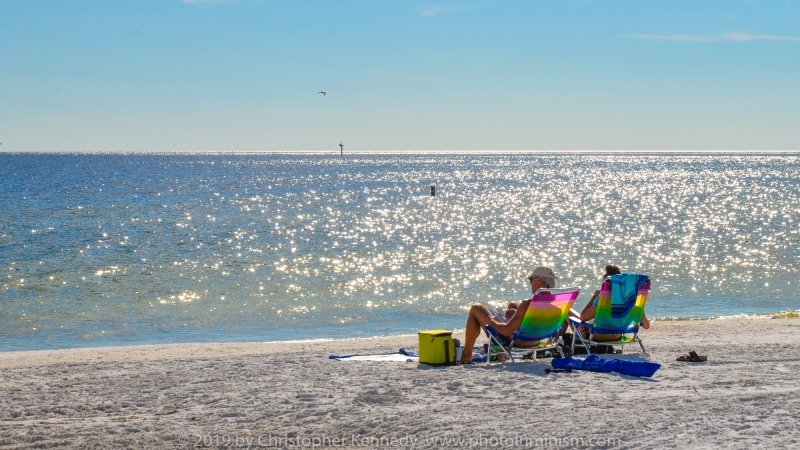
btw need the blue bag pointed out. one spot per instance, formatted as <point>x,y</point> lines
<point>594,363</point>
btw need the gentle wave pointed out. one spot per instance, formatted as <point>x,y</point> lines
<point>794,314</point>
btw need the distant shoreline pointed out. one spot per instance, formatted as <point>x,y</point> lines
<point>435,152</point>
<point>783,315</point>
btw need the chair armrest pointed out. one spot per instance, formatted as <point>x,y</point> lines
<point>577,323</point>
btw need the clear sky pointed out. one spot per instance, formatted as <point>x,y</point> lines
<point>174,75</point>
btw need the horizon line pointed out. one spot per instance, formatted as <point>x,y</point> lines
<point>427,152</point>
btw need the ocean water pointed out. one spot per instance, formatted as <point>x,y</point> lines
<point>128,249</point>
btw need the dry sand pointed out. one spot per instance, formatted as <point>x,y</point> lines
<point>173,396</point>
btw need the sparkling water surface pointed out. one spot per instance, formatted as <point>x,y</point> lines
<point>128,249</point>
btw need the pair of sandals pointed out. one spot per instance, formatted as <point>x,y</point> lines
<point>692,357</point>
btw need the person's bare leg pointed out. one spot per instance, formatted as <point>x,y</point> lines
<point>475,321</point>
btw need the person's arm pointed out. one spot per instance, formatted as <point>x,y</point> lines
<point>645,322</point>
<point>508,328</point>
<point>588,313</point>
<point>590,309</point>
<point>591,302</point>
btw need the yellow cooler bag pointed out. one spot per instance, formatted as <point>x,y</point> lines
<point>436,348</point>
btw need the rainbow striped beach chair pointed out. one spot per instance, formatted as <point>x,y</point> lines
<point>620,307</point>
<point>548,310</point>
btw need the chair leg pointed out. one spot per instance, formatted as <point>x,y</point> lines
<point>577,335</point>
<point>492,341</point>
<point>642,346</point>
<point>583,341</point>
<point>508,352</point>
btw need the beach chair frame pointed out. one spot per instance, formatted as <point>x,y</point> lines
<point>633,328</point>
<point>548,339</point>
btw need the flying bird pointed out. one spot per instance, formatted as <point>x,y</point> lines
<point>321,92</point>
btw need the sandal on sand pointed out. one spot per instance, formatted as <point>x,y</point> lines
<point>693,357</point>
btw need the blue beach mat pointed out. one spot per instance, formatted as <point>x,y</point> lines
<point>393,357</point>
<point>404,355</point>
<point>475,356</point>
<point>594,363</point>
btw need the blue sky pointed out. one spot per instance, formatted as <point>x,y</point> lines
<point>176,75</point>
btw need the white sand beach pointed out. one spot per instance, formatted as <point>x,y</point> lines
<point>259,395</point>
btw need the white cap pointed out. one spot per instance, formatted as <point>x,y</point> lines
<point>546,274</point>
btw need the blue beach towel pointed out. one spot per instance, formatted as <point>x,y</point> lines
<point>403,355</point>
<point>475,356</point>
<point>340,357</point>
<point>624,288</point>
<point>593,363</point>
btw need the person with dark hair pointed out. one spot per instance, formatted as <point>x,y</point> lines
<point>588,311</point>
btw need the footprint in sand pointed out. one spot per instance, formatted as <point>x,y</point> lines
<point>781,368</point>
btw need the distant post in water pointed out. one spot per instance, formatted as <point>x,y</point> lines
<point>433,191</point>
<point>341,149</point>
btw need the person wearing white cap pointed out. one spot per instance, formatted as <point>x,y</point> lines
<point>479,315</point>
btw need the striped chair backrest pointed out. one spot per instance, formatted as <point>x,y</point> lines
<point>621,312</point>
<point>545,315</point>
